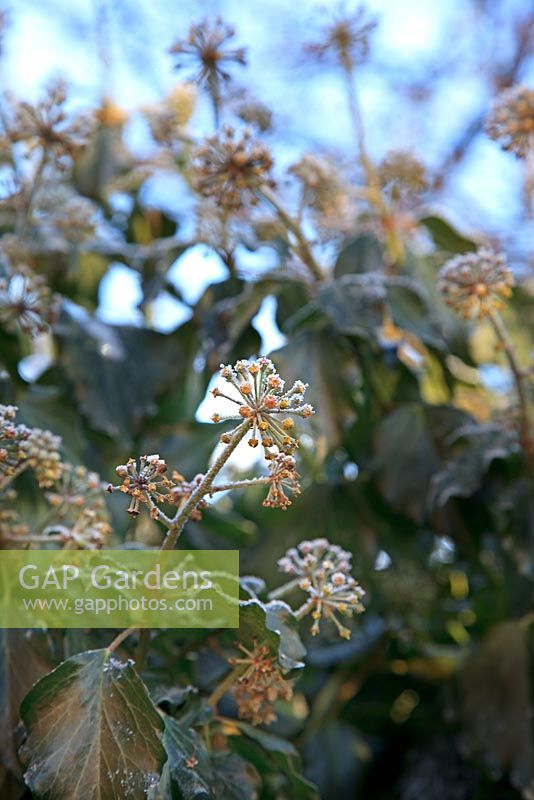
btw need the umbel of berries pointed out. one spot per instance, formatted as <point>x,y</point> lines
<point>144,482</point>
<point>322,570</point>
<point>260,397</point>
<point>476,284</point>
<point>511,122</point>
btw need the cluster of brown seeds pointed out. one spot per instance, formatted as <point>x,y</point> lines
<point>345,39</point>
<point>145,482</point>
<point>81,512</point>
<point>402,174</point>
<point>260,686</point>
<point>206,50</point>
<point>46,125</point>
<point>283,478</point>
<point>232,170</point>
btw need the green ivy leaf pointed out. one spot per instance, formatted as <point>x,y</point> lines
<point>463,475</point>
<point>187,775</point>
<point>446,237</point>
<point>118,372</point>
<point>92,732</point>
<point>274,623</point>
<point>355,304</point>
<point>412,435</point>
<point>363,254</point>
<point>327,364</point>
<point>277,761</point>
<point>235,778</point>
<point>191,773</point>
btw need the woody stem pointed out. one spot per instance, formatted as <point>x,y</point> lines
<point>225,685</point>
<point>183,514</point>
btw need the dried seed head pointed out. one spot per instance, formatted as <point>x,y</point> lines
<point>27,303</point>
<point>260,396</point>
<point>511,121</point>
<point>403,174</point>
<point>206,50</point>
<point>78,500</point>
<point>231,170</point>
<point>145,482</point>
<point>28,448</point>
<point>475,284</point>
<point>76,220</point>
<point>324,570</point>
<point>344,40</point>
<point>46,124</point>
<point>283,478</point>
<point>324,188</point>
<point>260,686</point>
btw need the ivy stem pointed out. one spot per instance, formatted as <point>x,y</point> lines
<point>26,212</point>
<point>225,685</point>
<point>525,434</point>
<point>183,514</point>
<point>244,484</point>
<point>303,248</point>
<point>142,648</point>
<point>284,589</point>
<point>118,640</point>
<point>375,194</point>
<point>31,537</point>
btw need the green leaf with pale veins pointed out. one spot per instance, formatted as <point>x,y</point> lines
<point>92,732</point>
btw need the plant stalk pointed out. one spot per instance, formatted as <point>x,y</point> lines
<point>178,521</point>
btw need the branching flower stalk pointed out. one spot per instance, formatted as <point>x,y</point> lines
<point>179,520</point>
<point>264,409</point>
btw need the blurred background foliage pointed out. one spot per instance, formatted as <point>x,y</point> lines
<point>413,461</point>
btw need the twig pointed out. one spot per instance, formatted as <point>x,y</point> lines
<point>118,640</point>
<point>375,195</point>
<point>225,685</point>
<point>284,589</point>
<point>303,248</point>
<point>244,484</point>
<point>183,514</point>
